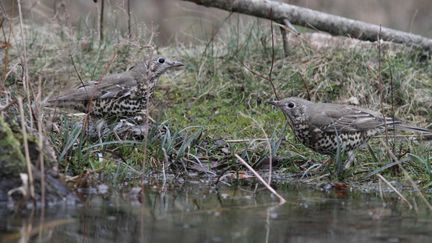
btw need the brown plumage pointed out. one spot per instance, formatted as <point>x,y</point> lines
<point>117,95</point>
<point>325,127</point>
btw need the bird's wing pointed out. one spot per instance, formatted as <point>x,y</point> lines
<point>111,86</point>
<point>343,118</point>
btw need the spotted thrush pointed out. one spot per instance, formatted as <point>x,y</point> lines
<point>326,127</point>
<point>117,95</point>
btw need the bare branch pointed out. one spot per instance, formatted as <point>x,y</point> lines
<point>332,24</point>
<point>281,199</point>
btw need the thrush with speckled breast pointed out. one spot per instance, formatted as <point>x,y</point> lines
<point>327,127</point>
<point>117,95</point>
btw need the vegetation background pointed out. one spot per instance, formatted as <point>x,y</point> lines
<point>216,107</point>
<point>179,18</point>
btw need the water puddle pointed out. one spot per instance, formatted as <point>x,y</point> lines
<point>200,213</point>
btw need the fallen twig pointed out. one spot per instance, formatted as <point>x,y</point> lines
<point>395,190</point>
<point>272,62</point>
<point>267,140</point>
<point>26,148</point>
<point>101,20</point>
<point>336,25</point>
<point>281,199</point>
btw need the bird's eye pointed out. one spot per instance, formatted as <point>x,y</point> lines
<point>291,105</point>
<point>161,60</point>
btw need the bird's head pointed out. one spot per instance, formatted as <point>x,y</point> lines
<point>159,65</point>
<point>294,108</point>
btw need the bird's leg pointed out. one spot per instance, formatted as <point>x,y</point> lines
<point>141,116</point>
<point>338,155</point>
<point>119,125</point>
<point>340,168</point>
<point>99,126</point>
<point>350,160</point>
<point>141,120</point>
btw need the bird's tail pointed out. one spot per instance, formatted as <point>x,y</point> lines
<point>413,128</point>
<point>67,104</point>
<point>425,134</point>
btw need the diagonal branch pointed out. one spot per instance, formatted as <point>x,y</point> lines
<point>332,24</point>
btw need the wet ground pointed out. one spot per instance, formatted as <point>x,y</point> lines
<point>196,212</point>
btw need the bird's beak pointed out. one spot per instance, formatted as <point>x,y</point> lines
<point>274,102</point>
<point>176,64</point>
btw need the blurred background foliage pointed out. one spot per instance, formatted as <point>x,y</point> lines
<point>185,21</point>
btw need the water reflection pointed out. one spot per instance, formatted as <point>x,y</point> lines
<point>200,213</point>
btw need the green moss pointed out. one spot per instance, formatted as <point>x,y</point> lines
<point>12,161</point>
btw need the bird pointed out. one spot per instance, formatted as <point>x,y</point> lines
<point>117,95</point>
<point>327,128</point>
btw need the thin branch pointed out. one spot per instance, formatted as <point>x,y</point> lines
<point>281,199</point>
<point>146,122</point>
<point>381,84</point>
<point>41,143</point>
<point>129,18</point>
<point>255,72</point>
<point>76,71</point>
<point>164,161</point>
<point>272,61</point>
<point>394,189</point>
<point>332,24</point>
<point>24,48</point>
<point>26,148</point>
<point>24,63</point>
<point>269,147</point>
<point>101,20</point>
<point>393,107</point>
<point>284,34</point>
<point>286,27</point>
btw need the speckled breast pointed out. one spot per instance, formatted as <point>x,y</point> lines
<point>328,143</point>
<point>301,131</point>
<point>123,106</point>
